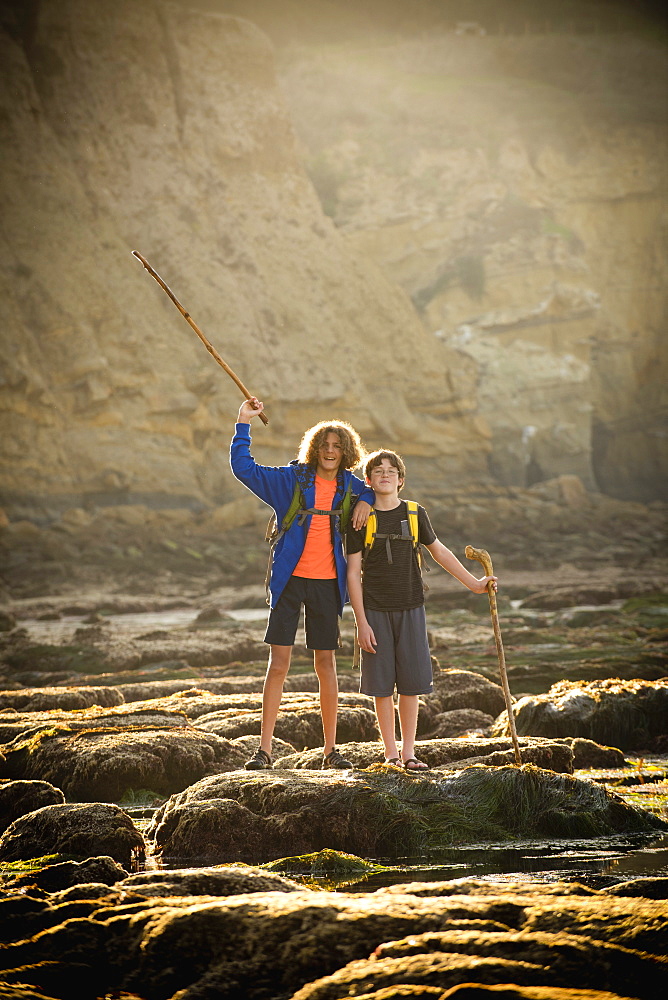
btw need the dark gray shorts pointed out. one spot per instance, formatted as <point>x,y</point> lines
<point>402,658</point>
<point>320,599</point>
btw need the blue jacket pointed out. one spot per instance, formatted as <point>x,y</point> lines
<point>275,485</point>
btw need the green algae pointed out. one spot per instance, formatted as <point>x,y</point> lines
<point>326,869</point>
<point>12,869</point>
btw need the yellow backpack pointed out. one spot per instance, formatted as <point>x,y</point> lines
<point>414,537</point>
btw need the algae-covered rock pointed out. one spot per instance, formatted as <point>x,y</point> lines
<point>444,958</point>
<point>459,722</point>
<point>298,724</point>
<point>81,831</point>
<point>67,874</point>
<point>66,698</point>
<point>20,797</point>
<point>265,945</point>
<point>14,725</point>
<point>102,765</point>
<point>557,756</point>
<point>224,880</point>
<point>627,714</point>
<point>332,869</point>
<point>383,812</point>
<point>457,689</point>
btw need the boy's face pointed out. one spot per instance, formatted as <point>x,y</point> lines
<point>330,454</point>
<point>385,479</point>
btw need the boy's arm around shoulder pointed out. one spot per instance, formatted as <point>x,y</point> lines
<point>365,501</point>
<point>449,561</point>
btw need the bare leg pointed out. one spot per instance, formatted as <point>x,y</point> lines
<point>386,724</point>
<point>324,662</point>
<point>272,692</point>
<point>408,714</point>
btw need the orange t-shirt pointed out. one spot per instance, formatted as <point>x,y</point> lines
<point>317,559</point>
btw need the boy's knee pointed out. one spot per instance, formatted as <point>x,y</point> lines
<point>324,661</point>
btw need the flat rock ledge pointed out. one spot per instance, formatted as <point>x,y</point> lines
<point>383,812</point>
<point>555,755</point>
<point>310,945</point>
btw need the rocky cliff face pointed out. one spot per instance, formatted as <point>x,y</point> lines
<point>162,129</point>
<point>514,187</point>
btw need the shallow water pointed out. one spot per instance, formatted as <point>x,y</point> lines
<point>596,863</point>
<point>62,630</point>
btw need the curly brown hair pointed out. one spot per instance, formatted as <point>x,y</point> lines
<point>354,452</point>
<point>376,457</point>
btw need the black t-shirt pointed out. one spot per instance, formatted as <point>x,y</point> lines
<point>395,586</point>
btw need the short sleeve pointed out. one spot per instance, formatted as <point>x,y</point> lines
<point>426,532</point>
<point>354,539</point>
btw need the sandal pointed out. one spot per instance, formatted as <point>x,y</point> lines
<point>394,761</point>
<point>260,761</point>
<point>413,764</point>
<point>334,759</point>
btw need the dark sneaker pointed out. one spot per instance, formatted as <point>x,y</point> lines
<point>261,761</point>
<point>334,759</point>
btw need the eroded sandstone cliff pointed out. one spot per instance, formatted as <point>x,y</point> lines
<point>162,129</point>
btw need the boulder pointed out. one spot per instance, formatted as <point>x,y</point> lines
<point>588,754</point>
<point>628,714</point>
<point>455,689</point>
<point>69,874</point>
<point>382,811</point>
<point>102,765</point>
<point>20,797</point>
<point>224,880</point>
<point>460,722</point>
<point>80,830</point>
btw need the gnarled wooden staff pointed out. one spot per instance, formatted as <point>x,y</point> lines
<point>483,557</point>
<point>186,315</point>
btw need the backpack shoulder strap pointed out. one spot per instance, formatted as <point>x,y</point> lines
<point>370,529</point>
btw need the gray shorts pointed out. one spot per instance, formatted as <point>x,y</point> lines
<point>402,658</point>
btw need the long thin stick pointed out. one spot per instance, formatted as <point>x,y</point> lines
<point>186,315</point>
<point>484,557</point>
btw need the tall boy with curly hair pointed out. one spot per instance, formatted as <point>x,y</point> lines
<point>308,566</point>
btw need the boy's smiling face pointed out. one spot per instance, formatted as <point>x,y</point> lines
<point>330,454</point>
<point>384,479</point>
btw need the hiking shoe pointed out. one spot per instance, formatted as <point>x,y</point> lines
<point>334,759</point>
<point>261,761</point>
